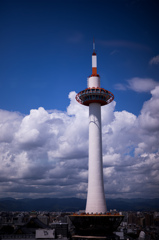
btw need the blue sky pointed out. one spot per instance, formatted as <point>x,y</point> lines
<point>45,57</point>
<point>46,49</point>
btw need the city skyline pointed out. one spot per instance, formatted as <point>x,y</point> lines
<point>46,49</point>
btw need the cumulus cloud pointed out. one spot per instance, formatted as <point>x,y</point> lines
<point>154,60</point>
<point>150,113</point>
<point>9,123</point>
<point>45,153</point>
<point>138,84</point>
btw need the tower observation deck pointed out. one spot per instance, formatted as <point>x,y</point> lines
<point>94,95</point>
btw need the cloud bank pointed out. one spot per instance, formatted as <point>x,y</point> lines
<point>45,153</point>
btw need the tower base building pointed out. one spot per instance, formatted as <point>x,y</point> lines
<point>95,225</point>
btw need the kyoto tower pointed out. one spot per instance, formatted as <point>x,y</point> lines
<point>96,221</point>
<point>94,97</point>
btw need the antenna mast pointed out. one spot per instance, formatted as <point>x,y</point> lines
<point>93,45</point>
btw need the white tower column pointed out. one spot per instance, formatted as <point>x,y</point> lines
<point>95,197</point>
<point>94,96</point>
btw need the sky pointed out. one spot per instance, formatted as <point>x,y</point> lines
<point>45,59</point>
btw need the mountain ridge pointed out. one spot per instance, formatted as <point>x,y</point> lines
<point>76,204</point>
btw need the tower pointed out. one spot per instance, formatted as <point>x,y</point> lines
<point>94,97</point>
<point>96,222</point>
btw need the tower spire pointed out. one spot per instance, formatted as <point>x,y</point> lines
<point>93,45</point>
<point>94,61</point>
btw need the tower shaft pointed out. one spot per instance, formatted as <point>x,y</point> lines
<point>95,196</point>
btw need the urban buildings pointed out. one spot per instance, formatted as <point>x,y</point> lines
<point>23,225</point>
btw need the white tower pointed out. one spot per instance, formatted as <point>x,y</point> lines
<point>94,96</point>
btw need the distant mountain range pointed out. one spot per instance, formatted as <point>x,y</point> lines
<point>75,204</point>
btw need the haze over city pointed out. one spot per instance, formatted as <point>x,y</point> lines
<point>45,56</point>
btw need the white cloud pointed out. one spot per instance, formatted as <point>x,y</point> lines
<point>154,60</point>
<point>141,84</point>
<point>9,123</point>
<point>149,118</point>
<point>120,86</point>
<point>138,84</point>
<point>46,152</point>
